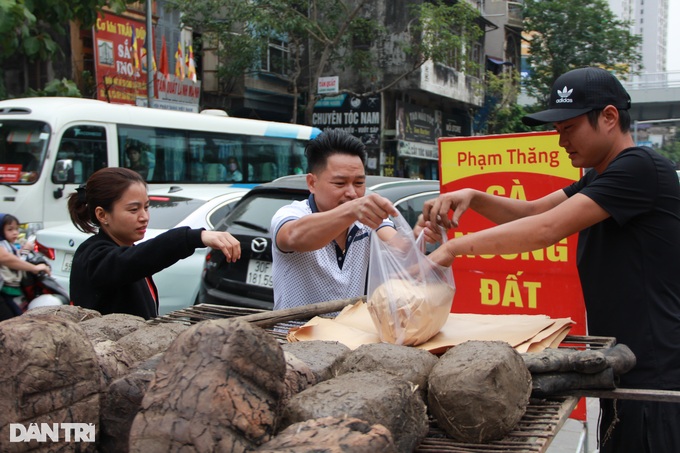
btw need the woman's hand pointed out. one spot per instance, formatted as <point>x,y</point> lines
<point>223,241</point>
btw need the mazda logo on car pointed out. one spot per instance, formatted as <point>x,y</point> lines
<point>258,245</point>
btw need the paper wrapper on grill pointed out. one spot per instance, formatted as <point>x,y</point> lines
<point>407,312</point>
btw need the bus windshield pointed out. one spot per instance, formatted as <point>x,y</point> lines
<point>23,146</point>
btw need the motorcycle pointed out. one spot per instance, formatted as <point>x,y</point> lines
<point>41,289</point>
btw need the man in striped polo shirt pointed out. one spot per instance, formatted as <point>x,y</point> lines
<point>322,244</point>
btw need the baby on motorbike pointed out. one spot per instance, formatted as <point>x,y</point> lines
<point>12,300</point>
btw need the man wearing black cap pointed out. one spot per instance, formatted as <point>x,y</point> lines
<point>626,210</point>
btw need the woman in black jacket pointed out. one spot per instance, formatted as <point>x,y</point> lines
<point>110,273</point>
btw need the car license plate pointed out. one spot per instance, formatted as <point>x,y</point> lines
<point>260,273</point>
<point>66,265</point>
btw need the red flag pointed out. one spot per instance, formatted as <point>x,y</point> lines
<point>163,63</point>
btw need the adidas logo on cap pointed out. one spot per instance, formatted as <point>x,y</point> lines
<point>564,94</point>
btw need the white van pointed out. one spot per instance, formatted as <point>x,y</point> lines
<point>50,145</point>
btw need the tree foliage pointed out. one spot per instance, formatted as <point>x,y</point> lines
<point>326,36</point>
<point>225,30</point>
<point>445,34</point>
<point>671,149</point>
<point>569,34</point>
<point>56,87</point>
<point>28,28</point>
<point>504,114</point>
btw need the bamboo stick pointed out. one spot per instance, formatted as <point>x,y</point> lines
<point>270,318</point>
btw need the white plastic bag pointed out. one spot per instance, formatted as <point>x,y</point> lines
<point>409,296</point>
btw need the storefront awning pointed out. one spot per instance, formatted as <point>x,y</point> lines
<point>499,62</point>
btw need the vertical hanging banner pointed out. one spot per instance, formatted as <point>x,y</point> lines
<point>523,166</point>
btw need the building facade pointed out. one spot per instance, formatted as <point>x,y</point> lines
<point>399,113</point>
<point>399,124</point>
<point>648,19</point>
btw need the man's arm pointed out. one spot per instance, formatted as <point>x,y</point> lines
<point>314,231</point>
<point>527,233</point>
<point>496,208</point>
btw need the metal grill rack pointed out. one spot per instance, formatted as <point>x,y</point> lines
<point>204,312</point>
<point>533,434</point>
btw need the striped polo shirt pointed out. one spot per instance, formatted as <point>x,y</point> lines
<point>302,278</point>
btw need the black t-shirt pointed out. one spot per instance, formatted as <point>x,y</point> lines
<point>628,264</point>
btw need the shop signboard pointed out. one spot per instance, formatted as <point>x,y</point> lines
<point>173,91</point>
<point>119,78</point>
<point>454,125</point>
<point>120,66</point>
<point>418,124</point>
<point>418,129</point>
<point>168,105</point>
<point>360,116</point>
<point>328,85</point>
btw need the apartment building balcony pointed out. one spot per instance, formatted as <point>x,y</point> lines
<point>450,83</point>
<point>508,13</point>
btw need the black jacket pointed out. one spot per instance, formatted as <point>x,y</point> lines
<point>111,279</point>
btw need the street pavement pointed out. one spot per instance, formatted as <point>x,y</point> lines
<point>570,439</point>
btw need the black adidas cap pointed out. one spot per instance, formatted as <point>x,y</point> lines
<point>579,91</point>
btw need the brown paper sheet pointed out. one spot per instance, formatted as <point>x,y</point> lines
<point>354,327</point>
<point>549,338</point>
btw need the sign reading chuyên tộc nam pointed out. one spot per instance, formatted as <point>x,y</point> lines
<point>359,116</point>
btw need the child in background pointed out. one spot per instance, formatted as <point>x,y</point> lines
<point>11,267</point>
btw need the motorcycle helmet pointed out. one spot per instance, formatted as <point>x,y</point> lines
<point>45,300</point>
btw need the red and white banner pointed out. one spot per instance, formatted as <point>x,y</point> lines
<point>122,78</point>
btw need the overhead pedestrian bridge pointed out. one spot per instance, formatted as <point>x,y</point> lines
<point>655,97</point>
